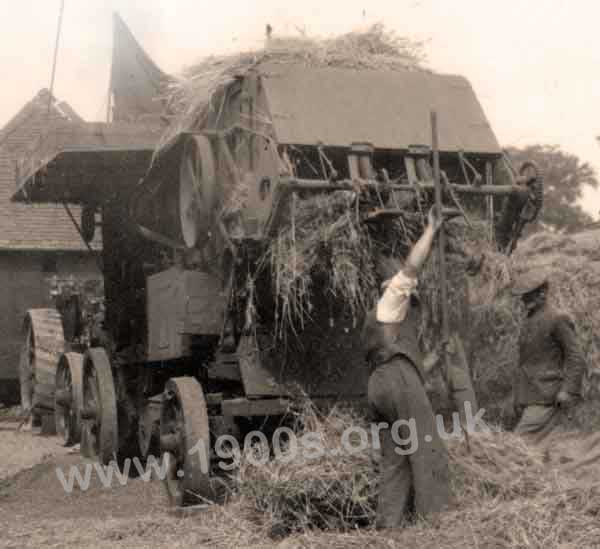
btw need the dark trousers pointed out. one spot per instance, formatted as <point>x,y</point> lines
<point>538,422</point>
<point>395,393</point>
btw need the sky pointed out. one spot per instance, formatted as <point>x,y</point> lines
<point>534,65</point>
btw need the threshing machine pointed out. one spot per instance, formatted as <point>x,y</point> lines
<point>186,355</point>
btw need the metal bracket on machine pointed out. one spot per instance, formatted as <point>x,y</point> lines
<point>257,380</point>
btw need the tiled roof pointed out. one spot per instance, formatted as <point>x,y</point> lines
<point>33,227</point>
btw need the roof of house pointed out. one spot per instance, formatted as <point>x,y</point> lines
<point>25,226</point>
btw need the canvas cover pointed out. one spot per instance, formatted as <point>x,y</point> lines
<point>389,109</point>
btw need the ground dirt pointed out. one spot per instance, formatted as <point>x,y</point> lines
<point>37,512</point>
<point>19,450</point>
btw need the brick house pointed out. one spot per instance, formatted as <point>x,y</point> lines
<point>36,241</point>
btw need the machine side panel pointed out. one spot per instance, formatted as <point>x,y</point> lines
<point>164,307</point>
<point>204,306</point>
<point>181,303</point>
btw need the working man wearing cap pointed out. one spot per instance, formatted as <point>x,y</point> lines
<point>397,395</point>
<point>551,363</point>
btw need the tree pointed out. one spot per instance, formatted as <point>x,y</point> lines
<point>565,177</point>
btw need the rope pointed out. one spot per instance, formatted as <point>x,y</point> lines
<point>58,32</point>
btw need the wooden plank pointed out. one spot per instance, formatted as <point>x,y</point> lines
<point>321,185</point>
<point>259,407</point>
<point>13,419</point>
<point>229,371</point>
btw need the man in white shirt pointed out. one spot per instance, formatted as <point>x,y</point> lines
<point>412,453</point>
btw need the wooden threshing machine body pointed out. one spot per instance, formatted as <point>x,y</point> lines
<point>183,229</point>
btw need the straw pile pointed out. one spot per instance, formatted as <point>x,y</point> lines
<point>495,328</point>
<point>327,244</point>
<point>323,240</point>
<point>495,478</point>
<point>555,519</point>
<point>326,489</point>
<point>191,97</point>
<point>507,495</point>
<point>327,251</point>
<point>572,264</point>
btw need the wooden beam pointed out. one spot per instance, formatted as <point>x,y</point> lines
<point>258,407</point>
<point>441,233</point>
<point>321,185</point>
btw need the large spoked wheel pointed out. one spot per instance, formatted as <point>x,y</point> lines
<point>535,181</point>
<point>27,369</point>
<point>68,397</point>
<point>100,432</point>
<point>43,345</point>
<point>197,182</point>
<point>185,442</point>
<point>517,210</point>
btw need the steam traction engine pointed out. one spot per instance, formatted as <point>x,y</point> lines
<point>186,355</point>
<point>52,354</point>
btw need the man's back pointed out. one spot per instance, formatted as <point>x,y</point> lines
<point>383,340</point>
